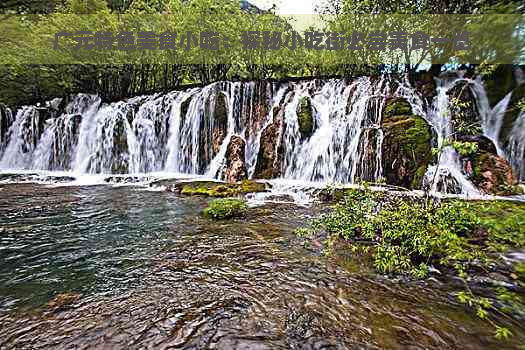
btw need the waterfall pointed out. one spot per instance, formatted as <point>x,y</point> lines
<point>6,120</point>
<point>332,152</point>
<point>23,138</point>
<point>446,176</point>
<point>189,131</point>
<point>516,147</point>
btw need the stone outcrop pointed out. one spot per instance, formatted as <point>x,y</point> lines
<point>211,188</point>
<point>489,172</point>
<point>406,146</point>
<point>235,160</point>
<point>493,175</point>
<point>269,158</point>
<point>305,117</point>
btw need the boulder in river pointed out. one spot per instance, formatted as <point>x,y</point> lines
<point>406,146</point>
<point>305,117</point>
<point>235,160</point>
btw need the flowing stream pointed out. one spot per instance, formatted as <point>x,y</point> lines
<point>125,268</point>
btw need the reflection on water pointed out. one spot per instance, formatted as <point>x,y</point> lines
<point>105,267</point>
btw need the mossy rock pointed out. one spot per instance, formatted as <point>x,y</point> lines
<point>305,117</point>
<point>407,150</point>
<point>494,175</point>
<point>212,188</point>
<point>226,208</point>
<point>397,106</point>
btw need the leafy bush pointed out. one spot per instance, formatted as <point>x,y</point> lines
<point>409,234</point>
<point>226,208</point>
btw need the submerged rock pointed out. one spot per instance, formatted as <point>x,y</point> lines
<point>406,146</point>
<point>235,160</point>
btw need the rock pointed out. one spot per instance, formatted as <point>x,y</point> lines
<point>220,122</point>
<point>120,149</point>
<point>426,85</point>
<point>406,146</point>
<point>493,175</point>
<point>367,166</point>
<point>6,120</point>
<point>266,167</point>
<point>464,111</point>
<point>397,106</point>
<point>305,117</point>
<point>185,105</point>
<point>500,83</point>
<point>211,188</point>
<point>235,160</point>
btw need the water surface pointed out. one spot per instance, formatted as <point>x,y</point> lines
<point>141,269</point>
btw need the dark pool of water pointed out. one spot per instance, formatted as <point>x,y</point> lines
<point>124,268</point>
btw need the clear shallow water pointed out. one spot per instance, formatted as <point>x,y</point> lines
<point>144,269</point>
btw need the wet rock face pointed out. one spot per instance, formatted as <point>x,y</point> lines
<point>305,115</point>
<point>406,146</point>
<point>266,158</point>
<point>271,149</point>
<point>397,106</point>
<point>500,83</point>
<point>368,160</point>
<point>483,143</point>
<point>426,85</point>
<point>120,165</point>
<point>235,160</point>
<point>492,174</point>
<point>220,122</point>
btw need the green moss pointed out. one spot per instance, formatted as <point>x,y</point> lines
<point>419,176</point>
<point>217,189</point>
<point>226,208</point>
<point>305,117</point>
<point>397,106</point>
<point>407,150</point>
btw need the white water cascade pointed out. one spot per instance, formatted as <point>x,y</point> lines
<point>188,131</point>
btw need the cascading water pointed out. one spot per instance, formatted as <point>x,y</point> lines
<point>6,120</point>
<point>516,147</point>
<point>341,112</point>
<point>446,176</point>
<point>189,131</point>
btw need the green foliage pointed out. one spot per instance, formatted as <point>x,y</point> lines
<point>226,208</point>
<point>465,148</point>
<point>408,235</point>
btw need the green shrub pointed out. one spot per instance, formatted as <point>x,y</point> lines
<point>409,234</point>
<point>226,208</point>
